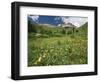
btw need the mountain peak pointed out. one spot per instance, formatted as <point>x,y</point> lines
<point>67,25</point>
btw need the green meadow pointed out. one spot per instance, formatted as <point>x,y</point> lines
<point>48,46</point>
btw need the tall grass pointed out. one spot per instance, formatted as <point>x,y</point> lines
<point>56,48</point>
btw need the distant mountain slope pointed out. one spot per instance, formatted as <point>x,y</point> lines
<point>42,28</point>
<point>83,29</point>
<point>68,25</point>
<point>54,30</point>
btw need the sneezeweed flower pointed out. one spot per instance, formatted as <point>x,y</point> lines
<point>46,50</point>
<point>39,59</point>
<point>44,55</point>
<point>51,50</point>
<point>56,53</point>
<point>66,49</point>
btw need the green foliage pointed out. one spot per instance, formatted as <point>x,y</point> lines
<point>50,46</point>
<point>57,51</point>
<point>32,27</point>
<point>77,30</point>
<point>69,32</point>
<point>63,31</point>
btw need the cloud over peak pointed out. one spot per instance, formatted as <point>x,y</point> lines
<point>77,21</point>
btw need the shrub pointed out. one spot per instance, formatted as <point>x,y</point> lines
<point>77,30</point>
<point>59,42</point>
<point>63,31</point>
<point>69,32</point>
<point>31,27</point>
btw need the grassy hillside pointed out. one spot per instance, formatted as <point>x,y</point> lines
<point>83,30</point>
<point>56,45</point>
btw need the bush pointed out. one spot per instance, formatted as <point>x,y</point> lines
<point>59,43</point>
<point>31,27</point>
<point>63,31</point>
<point>77,30</point>
<point>69,32</point>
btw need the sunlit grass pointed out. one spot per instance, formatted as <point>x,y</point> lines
<point>54,46</point>
<point>57,51</point>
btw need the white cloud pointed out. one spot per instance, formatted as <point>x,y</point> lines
<point>34,17</point>
<point>77,21</point>
<point>57,18</point>
<point>59,24</point>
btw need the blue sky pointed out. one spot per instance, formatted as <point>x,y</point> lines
<point>56,20</point>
